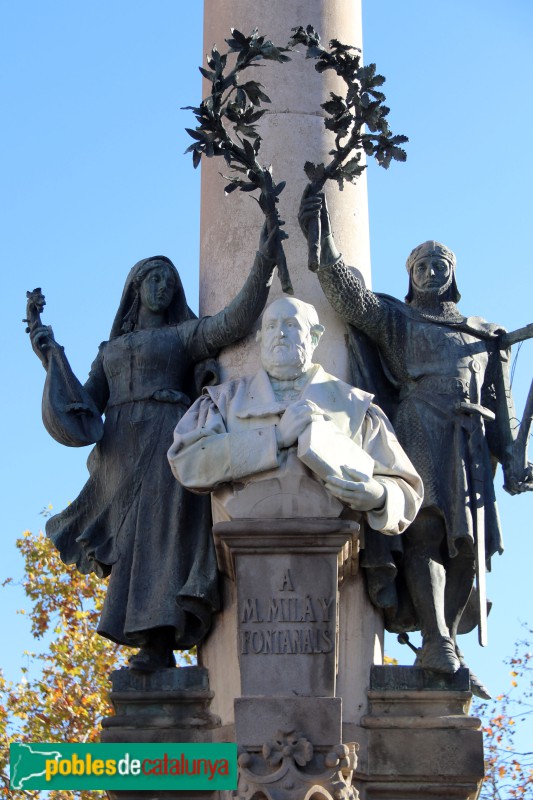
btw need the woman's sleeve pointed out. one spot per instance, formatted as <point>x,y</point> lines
<point>72,413</point>
<point>96,384</point>
<point>236,320</point>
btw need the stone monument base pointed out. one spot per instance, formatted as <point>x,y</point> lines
<point>419,741</point>
<point>171,705</point>
<point>293,749</point>
<point>287,720</point>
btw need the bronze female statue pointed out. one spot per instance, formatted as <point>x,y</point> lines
<point>132,520</point>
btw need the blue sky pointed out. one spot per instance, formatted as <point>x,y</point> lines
<point>94,179</point>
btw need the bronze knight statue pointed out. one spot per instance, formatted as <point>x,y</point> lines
<point>444,385</point>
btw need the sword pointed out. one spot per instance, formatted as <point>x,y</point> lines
<point>473,415</point>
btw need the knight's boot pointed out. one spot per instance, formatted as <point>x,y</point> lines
<point>478,688</point>
<point>426,580</point>
<point>438,654</point>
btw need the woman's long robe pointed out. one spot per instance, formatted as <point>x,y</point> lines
<point>132,520</point>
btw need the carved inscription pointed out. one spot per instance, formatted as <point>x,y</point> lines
<point>288,624</point>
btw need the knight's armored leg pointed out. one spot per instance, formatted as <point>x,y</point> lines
<point>460,574</point>
<point>426,580</point>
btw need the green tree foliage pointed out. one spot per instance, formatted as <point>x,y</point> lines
<point>64,695</point>
<point>509,768</point>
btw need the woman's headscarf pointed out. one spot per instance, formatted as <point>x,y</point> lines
<point>178,310</point>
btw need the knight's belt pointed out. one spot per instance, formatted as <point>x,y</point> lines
<point>447,394</point>
<point>439,384</point>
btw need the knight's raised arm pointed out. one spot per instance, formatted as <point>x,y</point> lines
<point>341,284</point>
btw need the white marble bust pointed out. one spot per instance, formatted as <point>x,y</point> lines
<point>292,440</point>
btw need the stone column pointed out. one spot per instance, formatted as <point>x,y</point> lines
<point>293,133</point>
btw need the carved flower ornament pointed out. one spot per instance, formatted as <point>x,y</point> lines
<point>288,744</point>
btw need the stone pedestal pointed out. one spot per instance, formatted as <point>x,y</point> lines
<point>285,604</point>
<point>358,632</point>
<point>293,749</point>
<point>419,741</point>
<point>287,577</point>
<point>171,705</point>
